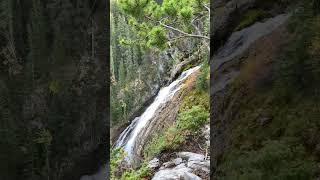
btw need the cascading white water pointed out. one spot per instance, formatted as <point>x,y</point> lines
<point>128,137</point>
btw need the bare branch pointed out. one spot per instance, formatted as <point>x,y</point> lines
<point>182,32</point>
<point>208,9</point>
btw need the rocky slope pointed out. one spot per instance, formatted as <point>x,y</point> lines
<point>252,114</point>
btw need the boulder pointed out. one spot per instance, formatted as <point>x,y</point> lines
<point>177,161</point>
<point>154,163</point>
<point>200,165</point>
<point>189,156</point>
<point>180,172</point>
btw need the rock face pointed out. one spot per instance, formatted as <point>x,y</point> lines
<point>186,166</point>
<point>227,13</point>
<point>255,43</point>
<point>225,64</point>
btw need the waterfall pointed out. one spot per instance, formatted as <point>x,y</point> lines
<point>127,138</point>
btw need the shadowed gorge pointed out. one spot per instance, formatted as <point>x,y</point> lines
<point>53,88</point>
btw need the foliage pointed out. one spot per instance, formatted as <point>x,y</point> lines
<point>154,20</point>
<point>250,18</point>
<point>203,78</point>
<point>157,38</point>
<point>117,156</point>
<point>131,84</point>
<point>193,119</point>
<point>141,173</point>
<point>169,140</point>
<point>298,67</point>
<point>275,160</point>
<point>195,98</point>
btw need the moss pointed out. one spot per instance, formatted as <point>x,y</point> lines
<point>142,173</point>
<point>54,86</point>
<point>250,18</point>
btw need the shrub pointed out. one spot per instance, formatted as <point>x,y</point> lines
<point>141,173</point>
<point>203,78</point>
<point>169,140</point>
<point>117,157</point>
<point>193,119</point>
<point>275,160</point>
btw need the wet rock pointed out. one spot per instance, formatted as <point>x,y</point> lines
<point>224,67</point>
<point>154,163</point>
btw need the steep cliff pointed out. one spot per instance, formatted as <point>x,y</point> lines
<point>263,83</point>
<point>54,89</point>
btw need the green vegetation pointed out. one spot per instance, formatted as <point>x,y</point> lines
<point>250,18</point>
<point>275,132</point>
<point>141,173</point>
<point>153,20</point>
<point>141,32</point>
<point>117,156</point>
<point>131,85</point>
<point>204,78</point>
<point>118,172</point>
<point>276,160</point>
